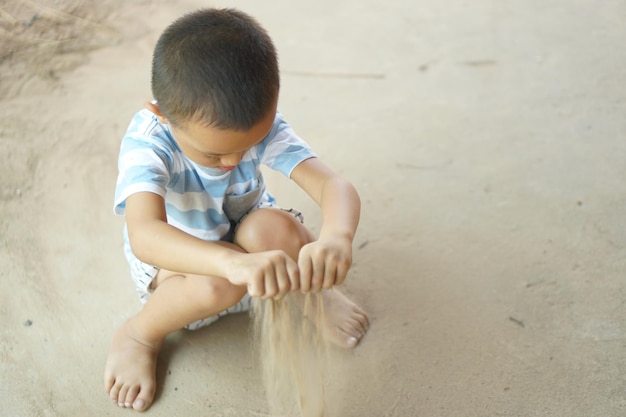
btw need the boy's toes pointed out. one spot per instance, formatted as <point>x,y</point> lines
<point>352,341</point>
<point>114,393</point>
<point>363,320</point>
<point>121,398</point>
<point>144,398</point>
<point>348,338</point>
<point>131,396</point>
<point>140,404</point>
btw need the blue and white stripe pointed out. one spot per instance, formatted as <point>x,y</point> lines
<point>195,196</point>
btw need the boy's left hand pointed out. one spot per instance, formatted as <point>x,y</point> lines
<point>324,263</point>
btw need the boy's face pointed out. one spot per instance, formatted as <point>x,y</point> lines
<point>216,148</point>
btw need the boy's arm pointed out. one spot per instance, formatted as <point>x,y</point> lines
<point>154,241</point>
<point>326,262</point>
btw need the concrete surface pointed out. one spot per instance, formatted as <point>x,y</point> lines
<point>487,142</point>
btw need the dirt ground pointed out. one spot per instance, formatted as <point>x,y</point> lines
<point>486,140</point>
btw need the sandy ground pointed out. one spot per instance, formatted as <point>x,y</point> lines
<point>486,139</point>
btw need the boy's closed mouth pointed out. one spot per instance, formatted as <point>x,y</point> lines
<point>226,169</point>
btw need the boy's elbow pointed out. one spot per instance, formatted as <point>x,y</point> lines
<point>356,193</point>
<point>350,189</point>
<point>140,245</point>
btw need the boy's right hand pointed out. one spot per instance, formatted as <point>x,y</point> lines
<point>269,274</point>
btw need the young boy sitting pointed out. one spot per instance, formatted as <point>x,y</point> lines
<point>202,233</point>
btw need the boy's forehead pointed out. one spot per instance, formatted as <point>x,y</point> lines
<point>217,141</point>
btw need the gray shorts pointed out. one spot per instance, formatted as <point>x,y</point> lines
<point>143,274</point>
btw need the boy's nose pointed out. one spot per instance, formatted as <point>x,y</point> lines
<point>231,159</point>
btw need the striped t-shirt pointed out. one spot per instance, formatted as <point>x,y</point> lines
<point>201,201</point>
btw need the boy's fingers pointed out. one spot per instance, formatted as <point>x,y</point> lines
<point>317,276</point>
<point>342,272</point>
<point>330,274</point>
<point>282,281</point>
<point>294,275</point>
<point>305,267</point>
<point>271,288</point>
<point>256,288</point>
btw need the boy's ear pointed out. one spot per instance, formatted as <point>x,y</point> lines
<point>154,108</point>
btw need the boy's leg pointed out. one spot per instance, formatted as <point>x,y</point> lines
<point>177,301</point>
<point>272,229</point>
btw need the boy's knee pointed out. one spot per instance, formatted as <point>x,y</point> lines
<point>269,229</point>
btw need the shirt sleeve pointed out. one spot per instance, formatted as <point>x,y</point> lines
<point>141,167</point>
<point>282,149</point>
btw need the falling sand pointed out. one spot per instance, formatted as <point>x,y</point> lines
<point>293,353</point>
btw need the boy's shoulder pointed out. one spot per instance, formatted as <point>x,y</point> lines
<point>280,133</point>
<point>145,125</point>
<point>145,131</point>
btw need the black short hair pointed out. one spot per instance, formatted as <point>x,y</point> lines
<point>215,66</point>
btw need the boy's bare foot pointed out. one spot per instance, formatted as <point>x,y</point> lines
<point>130,371</point>
<point>346,323</point>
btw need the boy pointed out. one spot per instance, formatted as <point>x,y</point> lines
<point>202,233</point>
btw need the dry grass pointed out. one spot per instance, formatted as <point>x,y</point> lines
<point>39,39</point>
